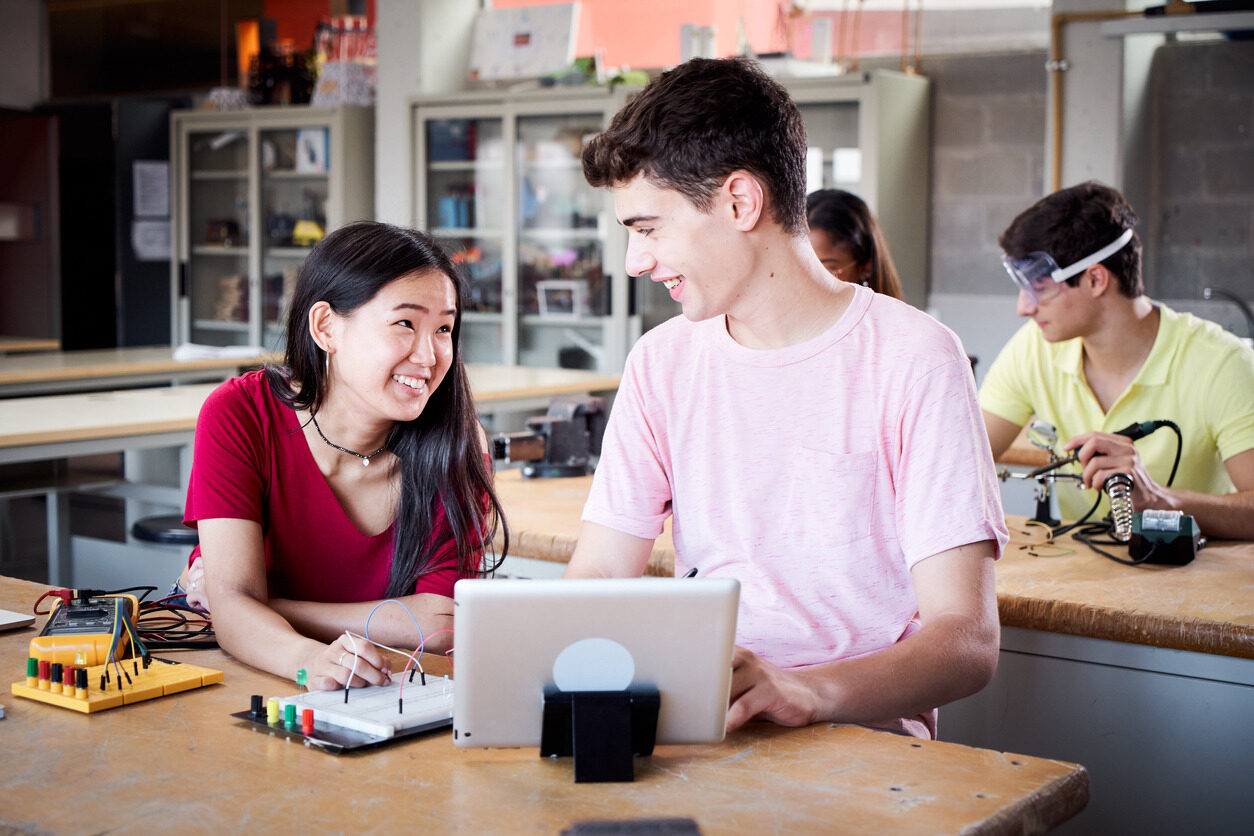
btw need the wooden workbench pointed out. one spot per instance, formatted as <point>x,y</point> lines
<point>543,517</point>
<point>181,763</point>
<point>1206,607</point>
<point>109,368</point>
<point>59,426</point>
<point>23,345</point>
<point>1143,674</point>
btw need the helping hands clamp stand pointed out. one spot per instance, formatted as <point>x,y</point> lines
<point>1044,436</point>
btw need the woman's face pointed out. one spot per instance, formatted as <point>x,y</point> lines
<point>390,354</point>
<point>836,257</point>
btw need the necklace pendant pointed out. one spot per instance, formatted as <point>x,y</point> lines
<point>365,461</point>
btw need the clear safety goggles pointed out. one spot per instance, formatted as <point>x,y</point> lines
<point>1037,272</point>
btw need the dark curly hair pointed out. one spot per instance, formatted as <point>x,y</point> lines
<point>1075,222</point>
<point>696,124</point>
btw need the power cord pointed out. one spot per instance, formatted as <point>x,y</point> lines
<point>1086,534</point>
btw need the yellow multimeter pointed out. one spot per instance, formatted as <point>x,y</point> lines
<point>81,631</point>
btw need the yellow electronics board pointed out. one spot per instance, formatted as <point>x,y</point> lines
<point>80,630</point>
<point>77,662</point>
<point>135,684</point>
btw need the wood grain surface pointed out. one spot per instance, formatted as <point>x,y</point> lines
<point>544,519</point>
<point>49,419</point>
<point>181,764</point>
<point>21,345</point>
<point>113,362</point>
<point>1207,606</point>
<point>491,383</point>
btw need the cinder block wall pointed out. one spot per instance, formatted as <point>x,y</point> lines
<point>988,158</point>
<point>988,164</point>
<point>1202,115</point>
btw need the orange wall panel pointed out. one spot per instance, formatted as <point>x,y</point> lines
<point>645,33</point>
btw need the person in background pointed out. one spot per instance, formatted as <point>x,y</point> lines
<point>849,242</point>
<point>818,442</point>
<point>1098,355</point>
<point>354,473</point>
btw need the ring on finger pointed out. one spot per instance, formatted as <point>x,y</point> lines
<point>340,661</point>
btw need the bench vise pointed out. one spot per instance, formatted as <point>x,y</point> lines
<point>561,442</point>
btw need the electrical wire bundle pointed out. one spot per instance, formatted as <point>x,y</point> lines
<point>161,624</point>
<point>137,646</point>
<point>414,658</point>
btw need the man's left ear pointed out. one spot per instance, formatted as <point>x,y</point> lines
<point>746,199</point>
<point>1100,280</point>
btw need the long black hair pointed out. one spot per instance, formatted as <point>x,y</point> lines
<point>847,220</point>
<point>441,459</point>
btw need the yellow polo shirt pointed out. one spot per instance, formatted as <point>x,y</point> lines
<point>1197,374</point>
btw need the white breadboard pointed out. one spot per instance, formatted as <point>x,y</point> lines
<point>374,709</point>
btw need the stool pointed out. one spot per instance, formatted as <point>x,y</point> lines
<point>167,529</point>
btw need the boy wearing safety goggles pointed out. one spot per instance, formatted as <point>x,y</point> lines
<point>1099,356</point>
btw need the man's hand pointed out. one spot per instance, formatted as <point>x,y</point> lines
<point>1103,455</point>
<point>762,690</point>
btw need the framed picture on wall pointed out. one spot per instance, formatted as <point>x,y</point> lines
<point>311,150</point>
<point>563,297</point>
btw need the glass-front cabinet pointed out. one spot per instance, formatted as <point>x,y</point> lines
<point>499,182</point>
<point>497,178</point>
<point>252,192</point>
<point>867,133</point>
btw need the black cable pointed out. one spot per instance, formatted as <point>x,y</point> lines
<point>1104,528</point>
<point>1144,428</point>
<point>1179,446</point>
<point>1063,529</point>
<point>180,635</point>
<point>1085,535</point>
<point>182,645</point>
<point>148,590</point>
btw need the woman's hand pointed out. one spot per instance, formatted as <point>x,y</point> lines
<point>329,666</point>
<point>192,580</point>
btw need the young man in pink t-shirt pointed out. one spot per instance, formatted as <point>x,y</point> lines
<point>817,441</point>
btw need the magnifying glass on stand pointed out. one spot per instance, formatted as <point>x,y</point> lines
<point>1044,436</point>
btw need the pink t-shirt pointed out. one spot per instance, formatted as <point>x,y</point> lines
<point>252,462</point>
<point>816,474</point>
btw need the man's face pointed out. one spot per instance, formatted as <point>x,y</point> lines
<point>692,252</point>
<point>1062,312</point>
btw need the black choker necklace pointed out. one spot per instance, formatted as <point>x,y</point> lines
<point>365,459</point>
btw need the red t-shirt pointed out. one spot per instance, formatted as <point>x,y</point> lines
<point>251,462</point>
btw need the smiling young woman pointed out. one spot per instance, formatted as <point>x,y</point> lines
<point>355,472</point>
